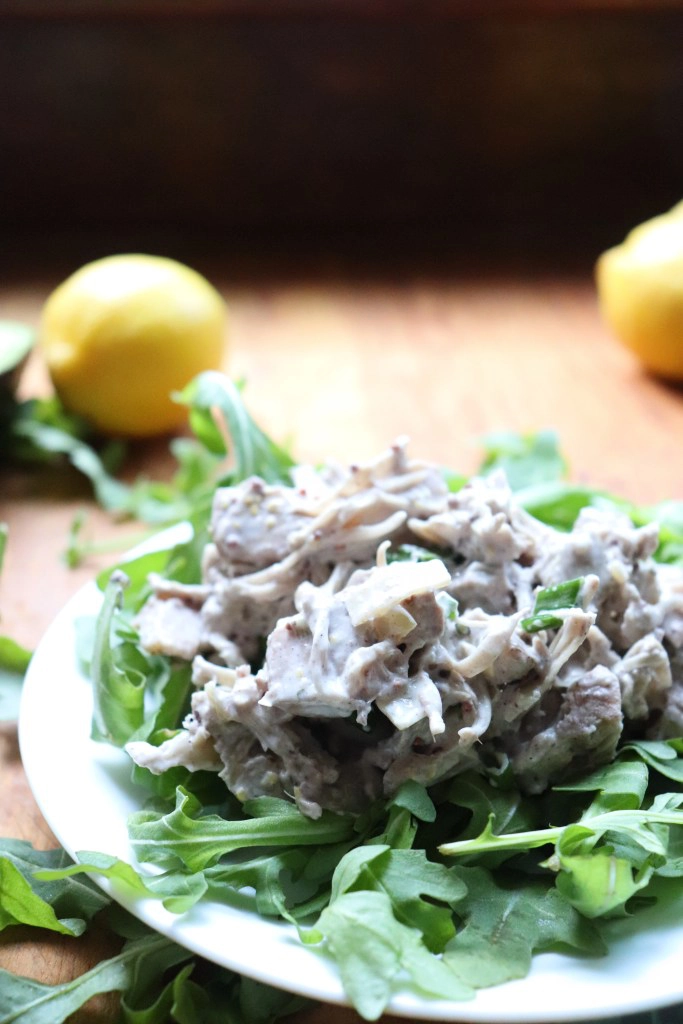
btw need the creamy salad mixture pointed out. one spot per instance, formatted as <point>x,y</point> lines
<point>366,626</point>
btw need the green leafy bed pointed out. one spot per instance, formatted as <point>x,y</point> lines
<point>441,892</point>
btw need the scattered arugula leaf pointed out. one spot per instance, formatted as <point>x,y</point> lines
<point>422,893</point>
<point>64,908</point>
<point>637,823</point>
<point>616,846</point>
<point>375,953</point>
<point>664,756</point>
<point>16,341</point>
<point>279,880</point>
<point>412,796</point>
<point>40,431</point>
<point>178,892</point>
<point>13,656</point>
<point>11,685</point>
<point>503,806</point>
<point>184,837</point>
<point>219,418</point>
<point>79,547</point>
<point>44,889</point>
<point>527,459</point>
<point>412,553</point>
<point>31,1002</point>
<point>118,674</point>
<point>14,659</point>
<point>504,925</point>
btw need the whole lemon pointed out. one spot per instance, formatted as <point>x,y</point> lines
<point>124,332</point>
<point>640,290</point>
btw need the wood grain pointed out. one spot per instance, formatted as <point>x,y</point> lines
<point>340,365</point>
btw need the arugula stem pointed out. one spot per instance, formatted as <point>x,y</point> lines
<point>509,841</point>
<point>541,837</point>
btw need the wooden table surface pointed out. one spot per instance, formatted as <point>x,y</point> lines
<point>341,363</point>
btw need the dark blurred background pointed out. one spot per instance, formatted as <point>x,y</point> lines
<point>505,126</point>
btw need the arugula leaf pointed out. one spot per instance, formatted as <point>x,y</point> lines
<point>669,517</point>
<point>135,694</point>
<point>610,853</point>
<point>558,503</point>
<point>40,439</point>
<point>40,431</point>
<point>662,755</point>
<point>413,553</point>
<point>178,892</point>
<point>504,807</point>
<point>454,481</point>
<point>136,571</point>
<point>620,785</point>
<point>504,925</point>
<point>118,675</point>
<point>263,1004</point>
<point>527,459</point>
<point>11,685</point>
<point>169,685</point>
<point>78,547</point>
<point>45,889</point>
<point>216,412</point>
<point>189,492</point>
<point>64,906</point>
<point>180,999</point>
<point>31,1002</point>
<point>218,996</point>
<point>600,883</point>
<point>183,837</point>
<point>20,905</point>
<point>413,797</point>
<point>16,341</point>
<point>376,954</point>
<point>14,659</point>
<point>422,893</point>
<point>278,878</point>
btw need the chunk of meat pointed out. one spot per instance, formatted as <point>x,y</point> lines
<point>170,626</point>
<point>582,733</point>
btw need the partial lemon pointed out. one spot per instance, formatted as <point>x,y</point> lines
<point>640,289</point>
<point>123,333</point>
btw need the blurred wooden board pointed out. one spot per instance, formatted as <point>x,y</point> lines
<point>505,117</point>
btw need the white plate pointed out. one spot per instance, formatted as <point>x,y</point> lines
<point>84,791</point>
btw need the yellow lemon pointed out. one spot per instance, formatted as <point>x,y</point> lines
<point>124,332</point>
<point>640,289</point>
